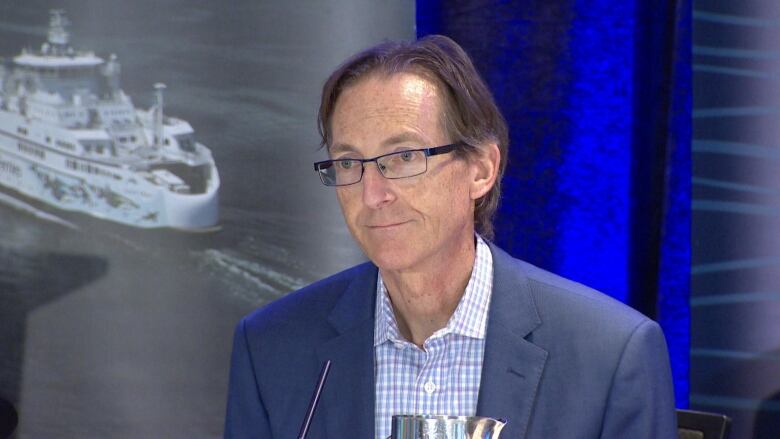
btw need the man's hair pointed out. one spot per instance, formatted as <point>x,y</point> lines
<point>470,117</point>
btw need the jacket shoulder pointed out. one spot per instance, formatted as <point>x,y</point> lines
<point>566,291</point>
<point>307,305</point>
<point>565,301</point>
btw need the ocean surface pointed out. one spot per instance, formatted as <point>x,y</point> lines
<point>108,331</point>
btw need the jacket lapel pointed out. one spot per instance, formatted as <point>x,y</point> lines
<point>512,367</point>
<point>347,401</point>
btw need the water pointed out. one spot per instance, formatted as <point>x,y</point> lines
<point>108,334</point>
<point>107,331</point>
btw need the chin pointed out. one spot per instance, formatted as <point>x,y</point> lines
<point>389,257</point>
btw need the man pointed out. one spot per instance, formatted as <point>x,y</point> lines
<point>441,321</point>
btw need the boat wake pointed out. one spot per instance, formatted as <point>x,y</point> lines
<point>250,281</point>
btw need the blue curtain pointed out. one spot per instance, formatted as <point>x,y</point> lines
<point>597,97</point>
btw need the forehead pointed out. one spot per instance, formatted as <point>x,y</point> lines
<point>401,106</point>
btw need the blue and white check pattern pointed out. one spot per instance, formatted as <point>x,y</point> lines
<point>443,378</point>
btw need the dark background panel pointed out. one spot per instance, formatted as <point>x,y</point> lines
<point>735,306</point>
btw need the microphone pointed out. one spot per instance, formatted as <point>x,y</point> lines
<point>315,399</point>
<point>8,418</point>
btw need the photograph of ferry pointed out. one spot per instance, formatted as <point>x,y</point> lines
<point>72,139</point>
<point>141,222</point>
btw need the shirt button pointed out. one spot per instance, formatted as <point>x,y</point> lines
<point>429,387</point>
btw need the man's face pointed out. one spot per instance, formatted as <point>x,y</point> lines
<point>410,223</point>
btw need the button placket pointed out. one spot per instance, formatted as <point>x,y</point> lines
<point>426,382</point>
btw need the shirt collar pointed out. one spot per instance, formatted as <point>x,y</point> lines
<point>470,316</point>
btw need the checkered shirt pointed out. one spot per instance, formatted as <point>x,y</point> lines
<point>443,378</point>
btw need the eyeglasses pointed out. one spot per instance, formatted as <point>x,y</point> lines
<point>401,164</point>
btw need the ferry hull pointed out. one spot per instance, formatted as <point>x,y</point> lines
<point>136,204</point>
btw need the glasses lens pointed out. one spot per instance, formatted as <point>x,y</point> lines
<point>325,171</point>
<point>403,164</point>
<point>347,171</point>
<point>339,172</point>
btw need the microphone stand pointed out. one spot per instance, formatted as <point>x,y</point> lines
<point>315,399</point>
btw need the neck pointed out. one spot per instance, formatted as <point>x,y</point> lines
<point>425,298</point>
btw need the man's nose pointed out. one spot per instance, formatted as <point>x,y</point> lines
<point>377,190</point>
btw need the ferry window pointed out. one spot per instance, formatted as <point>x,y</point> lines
<point>65,145</point>
<point>31,150</point>
<point>10,168</point>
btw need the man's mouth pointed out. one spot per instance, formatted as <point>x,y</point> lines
<point>386,226</point>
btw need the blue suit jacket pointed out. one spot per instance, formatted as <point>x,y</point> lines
<point>561,361</point>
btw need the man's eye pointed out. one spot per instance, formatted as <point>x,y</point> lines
<point>407,156</point>
<point>346,164</point>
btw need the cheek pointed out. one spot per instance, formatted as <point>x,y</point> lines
<point>347,201</point>
<point>446,201</point>
<point>454,187</point>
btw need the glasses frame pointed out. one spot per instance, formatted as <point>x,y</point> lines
<point>432,151</point>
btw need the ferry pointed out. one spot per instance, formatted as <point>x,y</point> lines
<point>72,140</point>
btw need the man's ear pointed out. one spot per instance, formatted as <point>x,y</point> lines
<point>484,165</point>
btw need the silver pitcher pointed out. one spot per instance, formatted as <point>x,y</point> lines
<point>445,427</point>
